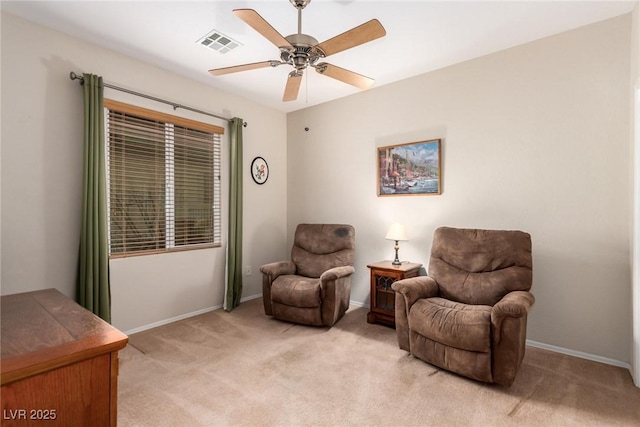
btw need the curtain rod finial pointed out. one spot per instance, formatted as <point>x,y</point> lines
<point>74,76</point>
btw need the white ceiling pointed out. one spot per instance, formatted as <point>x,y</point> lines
<point>421,36</point>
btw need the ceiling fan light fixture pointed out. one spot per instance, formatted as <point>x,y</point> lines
<point>300,62</point>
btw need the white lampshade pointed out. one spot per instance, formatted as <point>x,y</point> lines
<point>397,232</point>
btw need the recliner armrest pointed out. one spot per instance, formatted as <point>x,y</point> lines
<point>408,291</point>
<point>416,288</point>
<point>336,273</point>
<point>509,334</point>
<point>514,304</point>
<point>279,268</point>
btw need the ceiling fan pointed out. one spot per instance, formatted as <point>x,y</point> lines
<point>302,51</point>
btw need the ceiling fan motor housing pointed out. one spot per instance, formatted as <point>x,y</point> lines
<point>304,52</point>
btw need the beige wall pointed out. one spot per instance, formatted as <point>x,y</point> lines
<point>635,148</point>
<point>534,138</point>
<point>41,177</point>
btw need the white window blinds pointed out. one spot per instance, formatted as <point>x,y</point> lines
<point>163,181</point>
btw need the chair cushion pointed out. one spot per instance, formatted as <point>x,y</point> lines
<point>467,327</point>
<point>475,266</point>
<point>296,291</point>
<point>319,247</point>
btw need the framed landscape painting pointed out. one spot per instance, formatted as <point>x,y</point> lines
<point>410,169</point>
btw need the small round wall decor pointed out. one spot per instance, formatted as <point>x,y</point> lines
<point>259,170</point>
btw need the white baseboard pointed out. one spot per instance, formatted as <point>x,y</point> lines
<point>358,304</point>
<point>555,349</point>
<point>536,344</point>
<point>171,320</point>
<point>250,297</point>
<point>184,316</point>
<point>580,354</point>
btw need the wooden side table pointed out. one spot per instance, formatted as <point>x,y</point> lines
<point>383,298</point>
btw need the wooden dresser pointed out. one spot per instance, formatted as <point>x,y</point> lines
<point>59,363</point>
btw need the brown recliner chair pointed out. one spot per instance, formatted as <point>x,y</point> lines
<point>314,287</point>
<point>469,315</point>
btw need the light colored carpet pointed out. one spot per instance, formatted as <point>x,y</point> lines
<point>246,369</point>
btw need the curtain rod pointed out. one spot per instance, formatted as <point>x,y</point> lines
<point>74,76</point>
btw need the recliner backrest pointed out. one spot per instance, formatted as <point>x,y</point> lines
<point>480,266</point>
<point>319,247</point>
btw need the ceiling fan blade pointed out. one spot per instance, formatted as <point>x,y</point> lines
<point>238,68</point>
<point>356,36</point>
<point>346,76</point>
<point>293,86</point>
<point>258,23</point>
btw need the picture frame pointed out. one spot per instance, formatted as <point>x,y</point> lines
<point>259,170</point>
<point>411,169</point>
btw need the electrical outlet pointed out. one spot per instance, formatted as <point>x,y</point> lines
<point>247,270</point>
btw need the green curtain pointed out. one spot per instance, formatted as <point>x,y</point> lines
<point>94,292</point>
<point>234,242</point>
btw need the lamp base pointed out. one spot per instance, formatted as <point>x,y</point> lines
<point>396,261</point>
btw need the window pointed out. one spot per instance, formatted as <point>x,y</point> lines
<point>163,181</point>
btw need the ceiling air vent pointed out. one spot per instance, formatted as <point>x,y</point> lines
<point>217,41</point>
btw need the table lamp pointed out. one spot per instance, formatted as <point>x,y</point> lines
<point>396,232</point>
